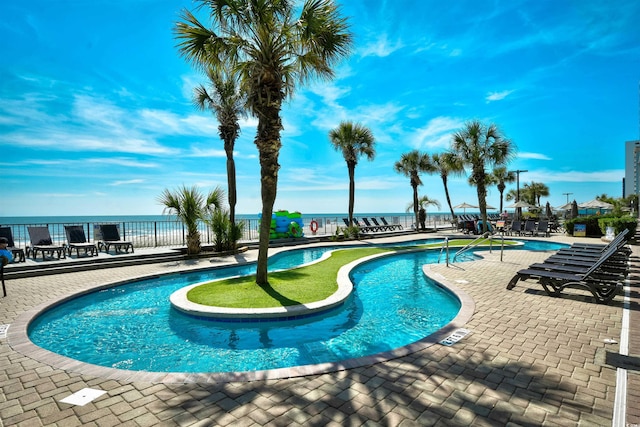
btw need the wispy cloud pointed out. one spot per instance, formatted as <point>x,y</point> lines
<point>128,182</point>
<point>534,156</point>
<point>380,47</point>
<point>498,96</point>
<point>437,133</point>
<point>548,176</point>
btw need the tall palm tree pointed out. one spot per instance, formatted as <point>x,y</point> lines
<point>353,140</point>
<point>446,164</point>
<point>227,103</point>
<point>536,190</point>
<point>410,165</point>
<point>480,146</point>
<point>272,51</point>
<point>501,177</point>
<point>191,206</point>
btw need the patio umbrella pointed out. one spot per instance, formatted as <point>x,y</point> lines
<point>595,204</point>
<point>489,207</point>
<point>548,211</point>
<point>574,209</point>
<point>565,207</point>
<point>521,204</point>
<point>464,206</point>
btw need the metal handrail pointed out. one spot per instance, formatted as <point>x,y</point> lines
<point>445,245</point>
<point>473,244</point>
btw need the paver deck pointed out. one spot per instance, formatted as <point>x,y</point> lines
<point>529,360</point>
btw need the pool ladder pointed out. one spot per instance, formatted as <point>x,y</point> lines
<point>469,246</point>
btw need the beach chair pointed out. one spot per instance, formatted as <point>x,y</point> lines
<point>110,236</point>
<point>381,226</point>
<point>529,227</point>
<point>77,240</point>
<point>542,228</point>
<point>603,285</point>
<point>4,289</point>
<point>41,242</point>
<point>393,226</point>
<point>369,226</point>
<point>18,253</point>
<point>516,227</point>
<point>362,228</point>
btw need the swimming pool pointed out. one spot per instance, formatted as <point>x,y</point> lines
<point>133,327</point>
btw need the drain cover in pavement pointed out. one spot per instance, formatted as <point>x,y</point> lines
<point>82,397</point>
<point>455,337</point>
<point>3,331</point>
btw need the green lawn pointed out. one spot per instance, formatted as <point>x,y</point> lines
<point>300,285</point>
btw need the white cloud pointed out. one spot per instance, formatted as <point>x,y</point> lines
<point>437,133</point>
<point>547,176</point>
<point>128,182</point>
<point>534,156</point>
<point>380,47</point>
<point>498,96</point>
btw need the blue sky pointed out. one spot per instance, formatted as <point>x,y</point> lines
<point>96,114</point>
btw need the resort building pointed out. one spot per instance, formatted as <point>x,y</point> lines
<point>631,168</point>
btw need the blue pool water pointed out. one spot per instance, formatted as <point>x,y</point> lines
<point>134,327</point>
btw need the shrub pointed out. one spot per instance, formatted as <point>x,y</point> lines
<point>619,224</point>
<point>593,228</point>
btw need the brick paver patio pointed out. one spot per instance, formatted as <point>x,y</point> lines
<point>529,360</point>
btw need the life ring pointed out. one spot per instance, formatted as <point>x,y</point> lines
<point>313,226</point>
<point>294,229</point>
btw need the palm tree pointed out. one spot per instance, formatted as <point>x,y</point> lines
<point>446,164</point>
<point>271,51</point>
<point>353,140</point>
<point>479,146</point>
<point>410,165</point>
<point>534,191</point>
<point>501,177</point>
<point>226,101</point>
<point>190,206</point>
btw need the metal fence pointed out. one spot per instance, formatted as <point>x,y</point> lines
<point>173,233</point>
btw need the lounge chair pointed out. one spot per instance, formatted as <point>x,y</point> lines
<point>516,228</point>
<point>381,227</point>
<point>362,228</point>
<point>4,289</point>
<point>110,236</point>
<point>18,253</point>
<point>369,226</point>
<point>77,240</point>
<point>394,226</point>
<point>542,228</point>
<point>41,242</point>
<point>529,227</point>
<point>604,285</point>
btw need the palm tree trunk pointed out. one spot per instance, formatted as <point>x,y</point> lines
<point>446,193</point>
<point>231,186</point>
<point>415,204</point>
<point>482,200</point>
<point>352,190</point>
<point>268,142</point>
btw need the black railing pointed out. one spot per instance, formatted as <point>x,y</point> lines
<point>173,233</point>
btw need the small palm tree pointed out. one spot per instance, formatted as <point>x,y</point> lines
<point>353,140</point>
<point>272,50</point>
<point>410,165</point>
<point>535,191</point>
<point>447,164</point>
<point>501,177</point>
<point>479,146</point>
<point>423,203</point>
<point>190,206</point>
<point>226,101</point>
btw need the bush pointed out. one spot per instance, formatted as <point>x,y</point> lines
<point>619,224</point>
<point>593,228</point>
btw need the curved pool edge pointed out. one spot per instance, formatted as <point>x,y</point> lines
<point>18,340</point>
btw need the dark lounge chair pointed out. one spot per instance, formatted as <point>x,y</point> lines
<point>542,228</point>
<point>111,237</point>
<point>529,227</point>
<point>362,228</point>
<point>394,226</point>
<point>41,242</point>
<point>77,240</point>
<point>603,284</point>
<point>18,253</point>
<point>516,227</point>
<point>381,226</point>
<point>369,226</point>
